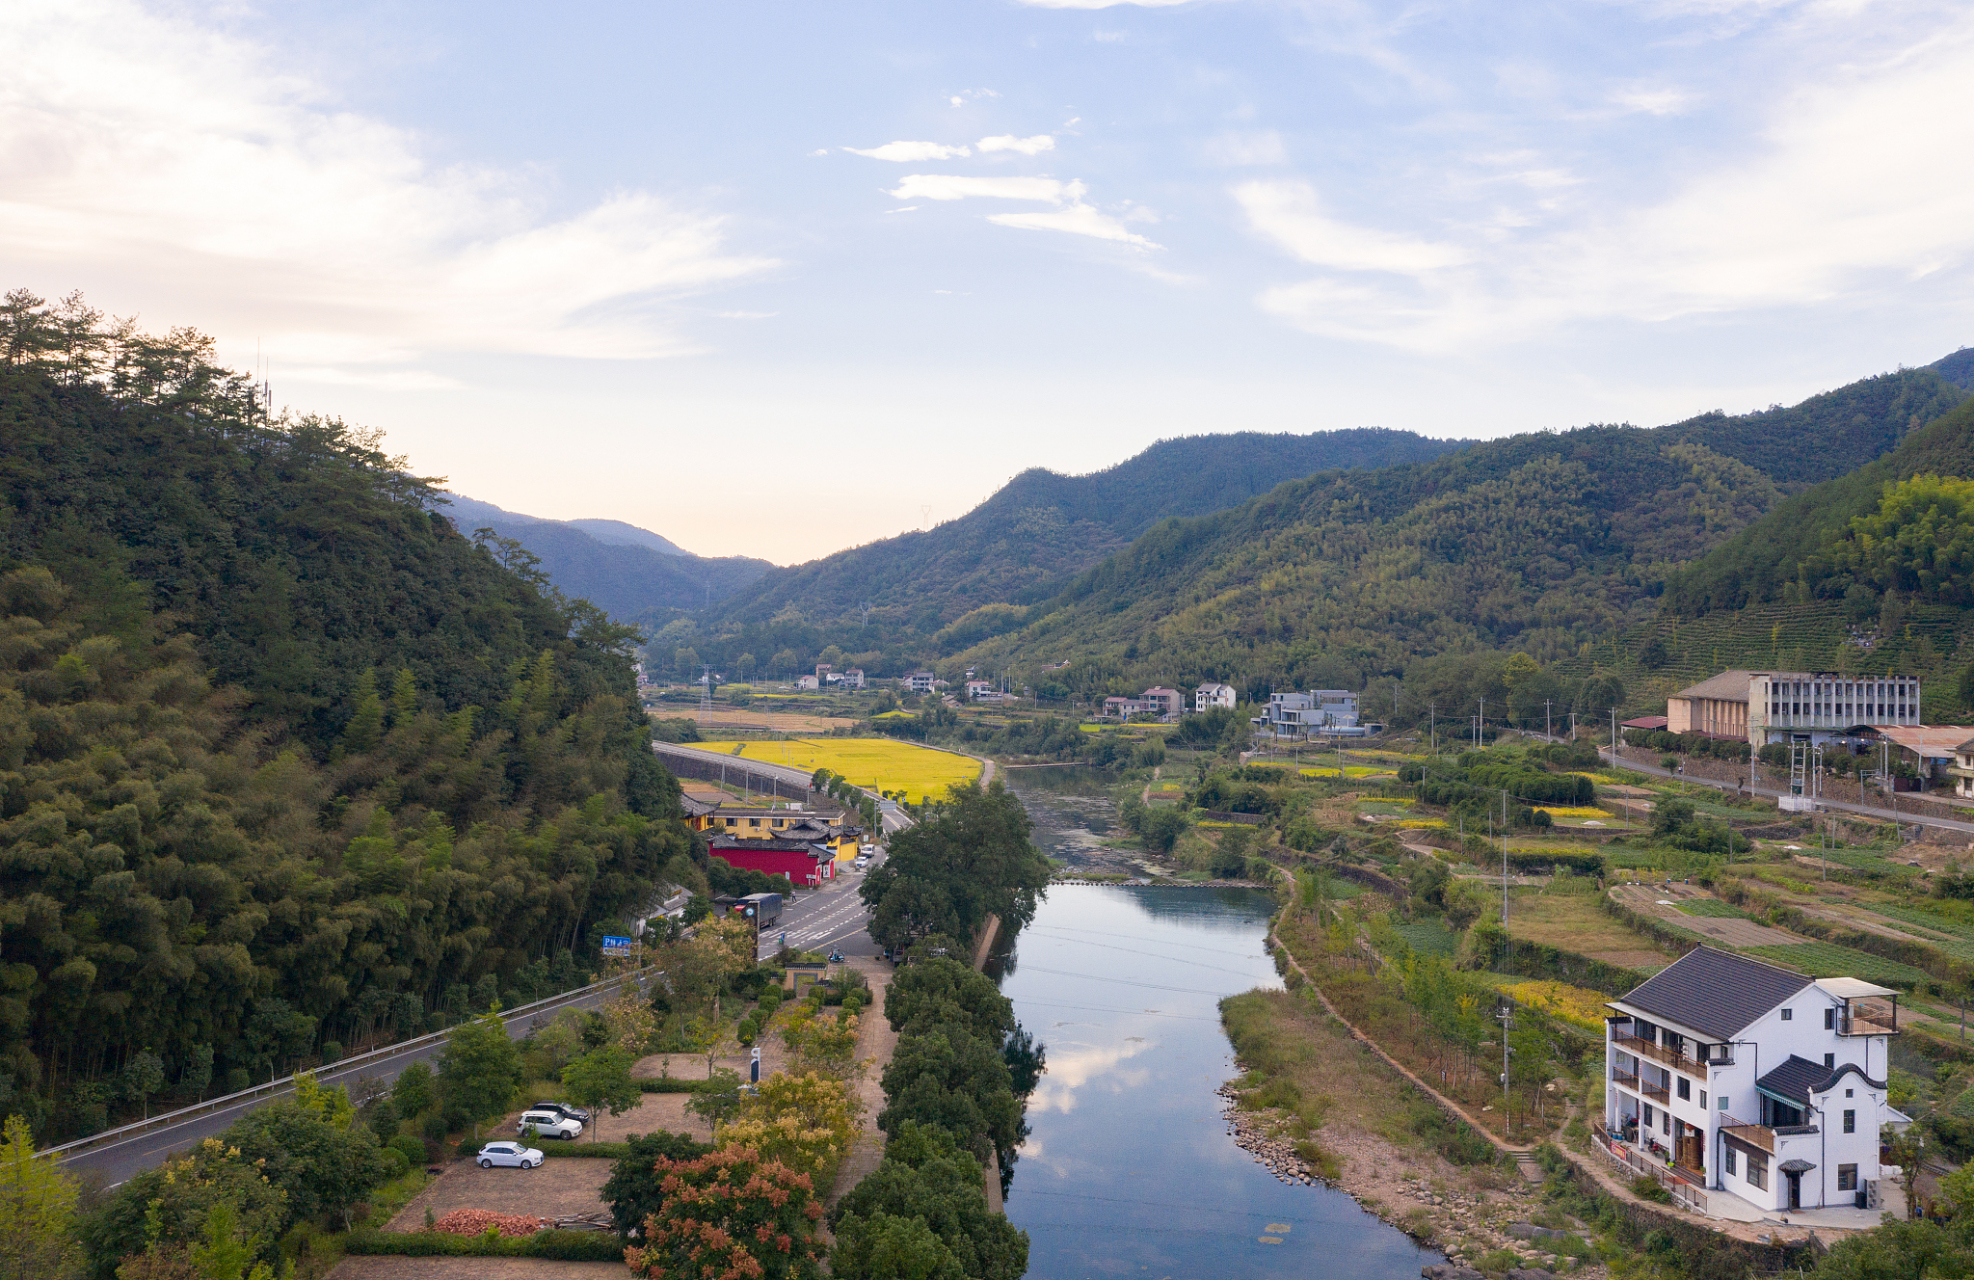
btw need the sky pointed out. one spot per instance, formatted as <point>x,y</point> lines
<point>776,278</point>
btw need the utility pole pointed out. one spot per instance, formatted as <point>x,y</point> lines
<point>1480,725</point>
<point>1504,869</point>
<point>1432,728</point>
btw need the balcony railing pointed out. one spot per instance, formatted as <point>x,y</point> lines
<point>1874,1019</point>
<point>1656,1093</point>
<point>1660,1054</point>
<point>1755,1135</point>
<point>1620,1076</point>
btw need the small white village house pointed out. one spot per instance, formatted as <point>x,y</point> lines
<point>1213,694</point>
<point>1741,1077</point>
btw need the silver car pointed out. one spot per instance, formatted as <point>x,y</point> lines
<point>510,1154</point>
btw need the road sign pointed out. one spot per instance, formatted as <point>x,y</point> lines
<point>614,946</point>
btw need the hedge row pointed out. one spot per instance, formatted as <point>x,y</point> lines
<point>590,1150</point>
<point>667,1084</point>
<point>562,1246</point>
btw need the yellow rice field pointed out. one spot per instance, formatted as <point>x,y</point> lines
<point>1578,1006</point>
<point>1349,771</point>
<point>1572,811</point>
<point>1422,823</point>
<point>883,764</point>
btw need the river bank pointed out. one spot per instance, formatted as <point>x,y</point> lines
<point>1382,1142</point>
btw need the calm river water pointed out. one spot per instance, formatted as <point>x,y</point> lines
<point>1129,1169</point>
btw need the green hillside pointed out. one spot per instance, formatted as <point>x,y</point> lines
<point>1024,542</point>
<point>286,763</point>
<point>1544,543</point>
<point>1871,573</point>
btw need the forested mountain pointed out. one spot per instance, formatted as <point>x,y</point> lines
<point>1023,543</point>
<point>1893,526</point>
<point>285,761</point>
<point>1831,434</point>
<point>1541,543</point>
<point>630,573</point>
<point>1957,368</point>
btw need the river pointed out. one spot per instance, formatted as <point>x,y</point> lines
<point>1129,1169</point>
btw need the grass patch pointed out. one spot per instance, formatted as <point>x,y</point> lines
<point>1713,908</point>
<point>1430,936</point>
<point>1571,922</point>
<point>1828,960</point>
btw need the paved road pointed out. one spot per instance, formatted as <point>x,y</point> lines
<point>831,919</point>
<point>117,1161</point>
<point>1845,806</point>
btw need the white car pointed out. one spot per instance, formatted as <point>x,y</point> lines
<point>511,1154</point>
<point>551,1124</point>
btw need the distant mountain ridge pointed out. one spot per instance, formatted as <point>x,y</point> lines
<point>632,574</point>
<point>1026,541</point>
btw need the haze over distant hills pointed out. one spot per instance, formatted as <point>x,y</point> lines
<point>632,574</point>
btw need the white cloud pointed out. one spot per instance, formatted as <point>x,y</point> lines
<point>908,152</point>
<point>952,186</point>
<point>1026,146</point>
<point>1074,1066</point>
<point>1842,199</point>
<point>148,158</point>
<point>1077,219</point>
<point>1290,214</point>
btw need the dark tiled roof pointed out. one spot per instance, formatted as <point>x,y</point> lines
<point>759,844</point>
<point>1715,992</point>
<point>1797,1078</point>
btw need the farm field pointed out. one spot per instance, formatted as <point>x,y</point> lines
<point>1824,959</point>
<point>1572,922</point>
<point>880,763</point>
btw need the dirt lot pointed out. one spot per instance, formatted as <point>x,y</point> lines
<point>560,1186</point>
<point>472,1269</point>
<point>875,1043</point>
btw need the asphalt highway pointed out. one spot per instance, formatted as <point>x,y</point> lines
<point>114,1162</point>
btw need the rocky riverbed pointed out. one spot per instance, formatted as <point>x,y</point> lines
<point>1473,1216</point>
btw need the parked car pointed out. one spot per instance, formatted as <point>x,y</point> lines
<point>567,1111</point>
<point>550,1124</point>
<point>510,1154</point>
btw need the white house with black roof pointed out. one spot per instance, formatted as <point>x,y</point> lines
<point>1739,1076</point>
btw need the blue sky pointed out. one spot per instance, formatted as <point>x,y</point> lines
<point>775,278</point>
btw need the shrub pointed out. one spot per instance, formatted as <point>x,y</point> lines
<point>412,1149</point>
